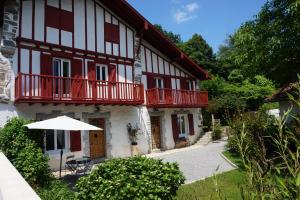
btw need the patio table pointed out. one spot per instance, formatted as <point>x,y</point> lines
<point>83,164</point>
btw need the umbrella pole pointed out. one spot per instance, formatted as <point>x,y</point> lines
<point>61,154</point>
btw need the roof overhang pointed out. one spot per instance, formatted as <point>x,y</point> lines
<point>153,36</point>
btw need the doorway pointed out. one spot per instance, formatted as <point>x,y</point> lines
<point>97,139</point>
<point>155,131</point>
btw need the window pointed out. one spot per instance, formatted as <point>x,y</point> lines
<point>159,83</point>
<point>55,140</point>
<point>61,67</point>
<point>182,125</point>
<point>101,73</point>
<point>191,85</point>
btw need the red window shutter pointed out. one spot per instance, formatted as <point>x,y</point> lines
<point>111,33</point>
<point>115,34</point>
<point>52,17</point>
<point>91,71</point>
<point>175,127</point>
<point>112,71</point>
<point>77,83</point>
<point>75,141</point>
<point>183,84</point>
<point>46,68</point>
<point>66,21</point>
<point>150,82</point>
<point>102,123</point>
<point>107,32</point>
<point>167,82</point>
<point>191,124</point>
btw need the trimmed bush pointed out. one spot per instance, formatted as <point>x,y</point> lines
<point>22,148</point>
<point>132,178</point>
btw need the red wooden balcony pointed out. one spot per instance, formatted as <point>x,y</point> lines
<point>165,98</point>
<point>31,88</point>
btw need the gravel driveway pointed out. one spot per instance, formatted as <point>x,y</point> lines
<point>198,162</point>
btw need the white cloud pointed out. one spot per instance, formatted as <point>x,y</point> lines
<point>186,13</point>
<point>192,7</point>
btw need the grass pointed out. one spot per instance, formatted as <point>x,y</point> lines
<point>235,158</point>
<point>229,184</point>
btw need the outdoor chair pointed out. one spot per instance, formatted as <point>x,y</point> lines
<point>71,164</point>
<point>85,165</point>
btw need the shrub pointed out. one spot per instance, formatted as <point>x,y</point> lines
<point>33,165</point>
<point>217,133</point>
<point>132,178</point>
<point>56,190</point>
<point>259,125</point>
<point>21,148</point>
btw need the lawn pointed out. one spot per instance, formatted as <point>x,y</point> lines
<point>229,184</point>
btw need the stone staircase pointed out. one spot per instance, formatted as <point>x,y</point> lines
<point>205,139</point>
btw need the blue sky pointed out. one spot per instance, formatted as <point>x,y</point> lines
<point>213,19</point>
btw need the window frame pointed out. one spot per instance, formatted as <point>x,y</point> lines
<point>56,149</point>
<point>182,133</point>
<point>61,68</point>
<point>157,79</point>
<point>100,67</point>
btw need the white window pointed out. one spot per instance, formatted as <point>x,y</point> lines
<point>182,125</point>
<point>101,73</point>
<point>61,67</point>
<point>55,140</point>
<point>159,83</point>
<point>191,85</point>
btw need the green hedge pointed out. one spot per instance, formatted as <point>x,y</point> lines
<point>22,148</point>
<point>132,178</point>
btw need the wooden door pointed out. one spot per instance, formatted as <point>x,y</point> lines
<point>97,139</point>
<point>155,130</point>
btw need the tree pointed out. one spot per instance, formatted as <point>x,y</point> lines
<point>269,44</point>
<point>175,38</point>
<point>198,49</point>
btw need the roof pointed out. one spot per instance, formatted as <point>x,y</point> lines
<point>282,93</point>
<point>152,35</point>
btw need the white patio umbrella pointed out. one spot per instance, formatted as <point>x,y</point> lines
<point>62,123</point>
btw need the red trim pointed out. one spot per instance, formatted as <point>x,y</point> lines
<point>157,74</point>
<point>73,37</point>
<point>175,130</point>
<point>73,50</point>
<point>146,59</point>
<point>20,21</point>
<point>85,16</point>
<point>33,19</point>
<point>95,20</point>
<point>126,42</point>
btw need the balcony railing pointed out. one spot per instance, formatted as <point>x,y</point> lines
<point>164,98</point>
<point>32,88</point>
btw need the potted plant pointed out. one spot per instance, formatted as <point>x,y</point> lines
<point>133,133</point>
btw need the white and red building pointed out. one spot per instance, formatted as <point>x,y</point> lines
<point>103,63</point>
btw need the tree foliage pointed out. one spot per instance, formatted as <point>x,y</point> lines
<point>175,38</point>
<point>198,50</point>
<point>268,45</point>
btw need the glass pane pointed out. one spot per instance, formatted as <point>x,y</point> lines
<point>103,74</point>
<point>66,69</point>
<point>98,73</point>
<point>49,140</point>
<point>56,66</point>
<point>183,124</point>
<point>60,139</point>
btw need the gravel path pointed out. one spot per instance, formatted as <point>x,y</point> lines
<point>198,162</point>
